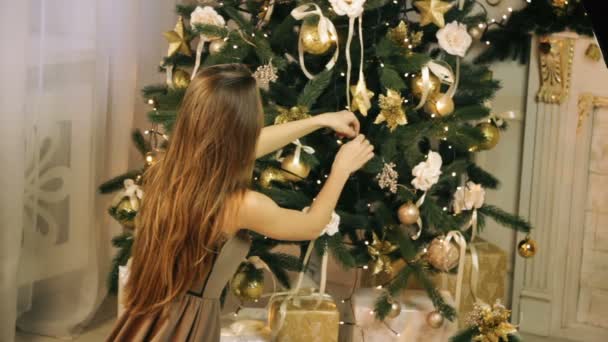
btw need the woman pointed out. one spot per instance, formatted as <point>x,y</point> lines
<point>197,198</point>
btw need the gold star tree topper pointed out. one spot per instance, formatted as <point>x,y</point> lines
<point>432,11</point>
<point>361,98</point>
<point>391,110</point>
<point>177,39</point>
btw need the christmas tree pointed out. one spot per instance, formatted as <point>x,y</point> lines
<point>400,67</point>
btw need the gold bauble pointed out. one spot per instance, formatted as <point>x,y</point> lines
<point>527,247</point>
<point>395,309</point>
<point>125,209</point>
<point>216,46</point>
<point>443,256</point>
<point>434,319</point>
<point>297,169</point>
<point>418,85</point>
<point>491,133</point>
<point>439,104</point>
<point>152,157</point>
<point>475,32</point>
<point>270,175</point>
<point>311,41</point>
<point>246,289</point>
<point>181,79</point>
<point>408,213</point>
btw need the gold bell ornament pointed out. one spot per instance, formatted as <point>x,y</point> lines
<point>125,213</point>
<point>296,168</point>
<point>491,133</point>
<point>127,203</point>
<point>312,42</point>
<point>527,247</point>
<point>441,255</point>
<point>246,288</point>
<point>408,213</point>
<point>440,104</point>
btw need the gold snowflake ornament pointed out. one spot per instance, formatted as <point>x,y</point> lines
<point>391,110</point>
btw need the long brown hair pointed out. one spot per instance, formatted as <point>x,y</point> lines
<point>190,194</point>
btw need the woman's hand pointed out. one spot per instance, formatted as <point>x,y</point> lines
<point>344,123</point>
<point>353,155</point>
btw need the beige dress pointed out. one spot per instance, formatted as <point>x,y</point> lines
<point>194,316</point>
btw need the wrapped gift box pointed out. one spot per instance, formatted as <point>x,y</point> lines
<point>249,325</point>
<point>492,278</point>
<point>308,317</point>
<point>409,326</point>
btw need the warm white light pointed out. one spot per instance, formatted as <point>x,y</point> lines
<point>150,101</point>
<point>453,174</point>
<point>235,46</point>
<point>342,74</point>
<point>341,322</point>
<point>410,46</point>
<point>433,115</point>
<point>382,65</point>
<point>318,181</point>
<point>445,208</point>
<point>446,128</point>
<point>367,243</point>
<point>365,267</point>
<point>510,9</point>
<point>265,35</point>
<point>379,287</point>
<point>504,16</point>
<point>450,147</point>
<point>487,42</point>
<point>406,74</point>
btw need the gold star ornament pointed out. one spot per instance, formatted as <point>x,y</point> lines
<point>432,11</point>
<point>177,40</point>
<point>361,98</point>
<point>391,110</point>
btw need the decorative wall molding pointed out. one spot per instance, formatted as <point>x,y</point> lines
<point>587,102</point>
<point>555,64</point>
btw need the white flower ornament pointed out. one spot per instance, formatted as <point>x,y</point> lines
<point>454,39</point>
<point>206,15</point>
<point>469,197</point>
<point>426,173</point>
<point>134,192</point>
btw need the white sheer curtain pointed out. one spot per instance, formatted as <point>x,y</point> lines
<point>68,91</point>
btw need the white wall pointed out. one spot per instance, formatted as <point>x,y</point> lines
<point>504,161</point>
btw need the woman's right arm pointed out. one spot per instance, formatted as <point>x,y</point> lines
<point>262,215</point>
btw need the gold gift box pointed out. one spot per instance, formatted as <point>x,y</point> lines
<point>309,317</point>
<point>492,277</point>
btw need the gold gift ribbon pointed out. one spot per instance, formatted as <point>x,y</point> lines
<point>419,203</point>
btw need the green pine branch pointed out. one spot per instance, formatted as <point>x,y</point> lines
<point>124,243</point>
<point>506,219</point>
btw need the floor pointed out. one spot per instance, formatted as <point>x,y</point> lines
<point>101,325</point>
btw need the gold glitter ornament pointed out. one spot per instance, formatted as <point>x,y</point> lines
<point>270,175</point>
<point>399,33</point>
<point>181,79</point>
<point>432,11</point>
<point>311,41</point>
<point>379,251</point>
<point>292,114</point>
<point>441,255</point>
<point>475,32</point>
<point>593,52</point>
<point>391,110</point>
<point>177,40</point>
<point>417,86</point>
<point>492,322</point>
<point>434,319</point>
<point>408,213</point>
<point>246,289</point>
<point>216,46</point>
<point>527,247</point>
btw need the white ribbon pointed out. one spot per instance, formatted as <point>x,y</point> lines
<point>444,72</point>
<point>419,203</point>
<point>327,31</point>
<point>134,192</point>
<point>296,155</point>
<point>169,75</point>
<point>460,4</point>
<point>462,246</point>
<point>199,52</point>
<point>354,10</point>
